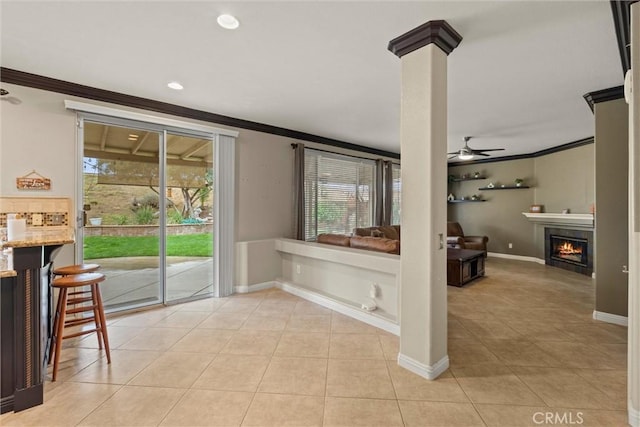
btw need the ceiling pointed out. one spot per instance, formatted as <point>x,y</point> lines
<point>516,81</point>
<point>119,143</point>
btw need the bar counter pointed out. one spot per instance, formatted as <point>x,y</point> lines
<point>25,316</point>
<point>34,238</point>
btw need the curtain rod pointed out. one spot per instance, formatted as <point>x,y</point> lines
<point>294,145</point>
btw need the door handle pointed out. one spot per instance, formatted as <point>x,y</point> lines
<point>625,269</point>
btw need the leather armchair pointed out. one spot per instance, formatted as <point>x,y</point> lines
<point>457,239</point>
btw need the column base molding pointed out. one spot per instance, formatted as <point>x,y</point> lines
<point>425,371</point>
<point>610,318</point>
<point>634,416</point>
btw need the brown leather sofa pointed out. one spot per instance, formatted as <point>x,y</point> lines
<point>386,231</point>
<point>370,243</point>
<point>457,239</point>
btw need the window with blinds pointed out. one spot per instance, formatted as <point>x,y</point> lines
<point>397,195</point>
<point>339,193</point>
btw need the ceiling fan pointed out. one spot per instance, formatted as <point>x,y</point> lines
<point>467,153</point>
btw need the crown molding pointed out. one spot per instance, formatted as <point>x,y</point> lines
<point>36,81</point>
<point>604,95</point>
<point>621,10</point>
<point>438,32</point>
<point>556,149</point>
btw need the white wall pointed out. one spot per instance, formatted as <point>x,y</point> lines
<point>343,274</point>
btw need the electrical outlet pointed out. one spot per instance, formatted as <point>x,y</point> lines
<point>510,245</point>
<point>36,219</point>
<point>373,291</point>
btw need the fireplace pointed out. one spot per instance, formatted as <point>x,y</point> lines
<point>569,249</point>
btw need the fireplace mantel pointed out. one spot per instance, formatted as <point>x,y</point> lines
<point>568,220</point>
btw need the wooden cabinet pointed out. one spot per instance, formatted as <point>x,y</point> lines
<point>24,328</point>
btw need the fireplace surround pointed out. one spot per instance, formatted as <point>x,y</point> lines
<point>569,249</point>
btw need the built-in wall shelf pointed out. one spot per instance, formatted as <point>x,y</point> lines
<point>469,178</point>
<point>465,201</point>
<point>505,187</point>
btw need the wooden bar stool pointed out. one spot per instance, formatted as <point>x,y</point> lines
<point>91,301</point>
<point>78,296</point>
<point>69,270</point>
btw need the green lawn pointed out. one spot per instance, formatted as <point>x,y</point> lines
<point>114,246</point>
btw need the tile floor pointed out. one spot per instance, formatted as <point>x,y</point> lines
<point>522,345</point>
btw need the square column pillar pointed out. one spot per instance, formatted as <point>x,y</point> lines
<point>633,344</point>
<point>423,290</point>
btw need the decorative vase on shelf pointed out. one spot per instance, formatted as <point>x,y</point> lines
<point>451,197</point>
<point>519,182</point>
<point>490,185</point>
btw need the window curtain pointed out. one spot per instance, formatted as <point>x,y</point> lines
<point>379,212</point>
<point>388,193</point>
<point>298,191</point>
<point>384,192</point>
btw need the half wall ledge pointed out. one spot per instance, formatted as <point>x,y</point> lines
<point>569,220</point>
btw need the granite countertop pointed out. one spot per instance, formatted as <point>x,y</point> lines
<point>32,238</point>
<point>7,273</point>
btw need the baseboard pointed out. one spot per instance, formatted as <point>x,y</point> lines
<point>611,318</point>
<point>244,289</point>
<point>340,307</point>
<point>634,416</point>
<point>516,257</point>
<point>429,372</point>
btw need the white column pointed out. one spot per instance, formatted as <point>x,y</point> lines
<point>633,358</point>
<point>423,290</point>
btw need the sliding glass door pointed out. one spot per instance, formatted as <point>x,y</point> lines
<point>147,211</point>
<point>189,226</point>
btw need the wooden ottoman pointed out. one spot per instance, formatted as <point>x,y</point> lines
<point>464,265</point>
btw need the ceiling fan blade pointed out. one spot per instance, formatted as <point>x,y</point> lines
<point>454,152</point>
<point>478,150</point>
<point>481,154</point>
<point>452,157</point>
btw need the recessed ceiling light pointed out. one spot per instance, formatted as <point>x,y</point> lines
<point>175,85</point>
<point>228,22</point>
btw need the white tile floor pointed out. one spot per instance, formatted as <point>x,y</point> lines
<point>521,343</point>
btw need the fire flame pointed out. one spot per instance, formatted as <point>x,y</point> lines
<point>567,249</point>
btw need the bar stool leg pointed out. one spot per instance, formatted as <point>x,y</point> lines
<point>103,322</point>
<point>56,320</point>
<point>96,315</point>
<point>60,331</point>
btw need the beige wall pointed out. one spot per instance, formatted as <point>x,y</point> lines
<point>558,181</point>
<point>565,180</point>
<point>40,134</point>
<point>500,217</point>
<point>264,182</point>
<point>611,240</point>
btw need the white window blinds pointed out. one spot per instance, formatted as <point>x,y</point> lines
<point>339,193</point>
<point>397,195</point>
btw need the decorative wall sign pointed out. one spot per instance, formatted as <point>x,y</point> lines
<point>33,181</point>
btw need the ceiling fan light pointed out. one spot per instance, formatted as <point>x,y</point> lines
<point>465,156</point>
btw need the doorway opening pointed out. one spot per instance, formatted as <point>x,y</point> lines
<point>147,211</point>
